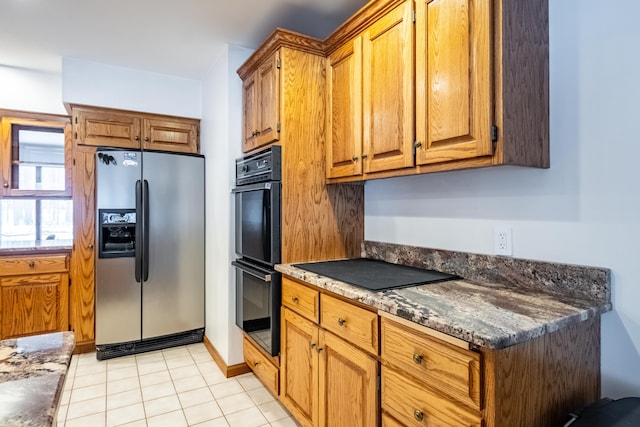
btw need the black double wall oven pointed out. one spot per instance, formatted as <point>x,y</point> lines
<point>257,195</point>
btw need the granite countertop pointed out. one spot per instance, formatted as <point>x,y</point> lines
<point>32,374</point>
<point>481,312</point>
<point>34,247</point>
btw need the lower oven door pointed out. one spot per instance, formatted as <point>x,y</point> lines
<point>258,293</point>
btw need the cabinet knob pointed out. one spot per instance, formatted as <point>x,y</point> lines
<point>341,321</point>
<point>418,415</point>
<point>294,299</point>
<point>319,349</point>
<point>137,137</point>
<point>312,345</point>
<point>364,156</point>
<point>417,144</point>
<point>417,359</point>
<point>5,185</point>
<point>256,363</point>
<point>146,138</point>
<point>32,263</point>
<point>90,246</point>
<point>354,158</point>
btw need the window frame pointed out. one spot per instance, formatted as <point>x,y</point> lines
<point>10,118</point>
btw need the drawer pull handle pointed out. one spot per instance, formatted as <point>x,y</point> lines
<point>32,263</point>
<point>418,415</point>
<point>341,321</point>
<point>294,299</point>
<point>319,349</point>
<point>417,359</point>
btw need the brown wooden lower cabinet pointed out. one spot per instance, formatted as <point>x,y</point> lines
<point>261,366</point>
<point>325,381</point>
<point>34,295</point>
<point>330,360</point>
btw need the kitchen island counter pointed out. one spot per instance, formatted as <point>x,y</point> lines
<point>32,374</point>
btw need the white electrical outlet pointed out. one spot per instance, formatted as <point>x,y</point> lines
<point>502,240</point>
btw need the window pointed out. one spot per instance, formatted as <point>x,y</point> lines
<point>35,200</point>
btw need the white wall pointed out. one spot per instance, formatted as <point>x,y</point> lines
<point>104,85</point>
<point>221,141</point>
<point>584,210</point>
<point>30,90</point>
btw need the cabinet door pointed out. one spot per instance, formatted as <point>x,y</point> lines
<point>170,135</point>
<point>344,115</point>
<point>269,100</point>
<point>34,304</point>
<point>348,384</point>
<point>387,83</point>
<point>453,87</point>
<point>82,316</point>
<point>299,367</point>
<point>250,112</point>
<point>106,128</point>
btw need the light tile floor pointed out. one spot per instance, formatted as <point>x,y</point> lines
<point>176,387</point>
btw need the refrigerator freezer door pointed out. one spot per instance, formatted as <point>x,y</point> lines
<point>173,295</point>
<point>118,296</point>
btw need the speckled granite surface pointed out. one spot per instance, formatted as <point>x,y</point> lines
<point>493,310</point>
<point>32,374</point>
<point>30,247</point>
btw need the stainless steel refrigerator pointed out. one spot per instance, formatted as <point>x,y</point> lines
<point>150,258</point>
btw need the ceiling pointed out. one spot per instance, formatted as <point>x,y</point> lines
<point>175,37</point>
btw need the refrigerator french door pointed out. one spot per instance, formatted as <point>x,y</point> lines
<point>150,263</point>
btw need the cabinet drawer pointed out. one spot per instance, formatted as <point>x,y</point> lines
<point>354,324</point>
<point>414,405</point>
<point>10,266</point>
<point>301,299</point>
<point>261,366</point>
<point>445,367</point>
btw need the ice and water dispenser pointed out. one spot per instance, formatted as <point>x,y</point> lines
<point>117,233</point>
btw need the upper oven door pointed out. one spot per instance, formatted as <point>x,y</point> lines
<point>258,221</point>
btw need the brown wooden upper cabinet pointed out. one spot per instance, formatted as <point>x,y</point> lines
<point>370,98</point>
<point>261,104</point>
<point>103,127</point>
<point>437,85</point>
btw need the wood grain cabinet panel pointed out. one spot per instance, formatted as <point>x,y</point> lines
<point>344,110</point>
<point>452,371</point>
<point>387,91</point>
<point>446,85</point>
<point>348,384</point>
<point>453,80</point>
<point>299,367</point>
<point>103,127</point>
<point>353,324</point>
<point>266,371</point>
<point>370,98</point>
<point>301,299</point>
<point>413,404</point>
<point>82,294</point>
<point>34,295</point>
<point>261,104</point>
<point>170,135</point>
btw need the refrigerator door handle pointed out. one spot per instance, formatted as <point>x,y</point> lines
<point>145,232</point>
<point>138,248</point>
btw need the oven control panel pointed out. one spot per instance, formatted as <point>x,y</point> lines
<point>259,167</point>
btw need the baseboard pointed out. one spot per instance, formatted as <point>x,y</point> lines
<point>228,371</point>
<point>85,347</point>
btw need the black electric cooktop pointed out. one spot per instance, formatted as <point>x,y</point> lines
<point>375,275</point>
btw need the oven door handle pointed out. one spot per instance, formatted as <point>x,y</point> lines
<point>253,271</point>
